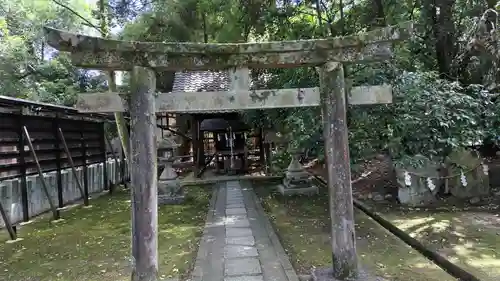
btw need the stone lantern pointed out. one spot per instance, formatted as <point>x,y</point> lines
<point>167,146</point>
<point>169,186</point>
<point>297,180</point>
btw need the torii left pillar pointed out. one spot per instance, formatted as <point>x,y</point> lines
<point>143,175</point>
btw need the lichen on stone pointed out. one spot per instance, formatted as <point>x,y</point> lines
<point>100,53</point>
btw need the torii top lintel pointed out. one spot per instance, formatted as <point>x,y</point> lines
<point>100,53</point>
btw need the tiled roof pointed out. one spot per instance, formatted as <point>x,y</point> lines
<point>201,81</point>
<point>220,124</point>
<point>204,81</point>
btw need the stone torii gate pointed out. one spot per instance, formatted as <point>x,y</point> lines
<point>144,58</point>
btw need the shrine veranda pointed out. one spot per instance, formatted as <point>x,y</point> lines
<point>142,59</point>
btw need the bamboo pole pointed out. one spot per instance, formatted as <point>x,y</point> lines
<point>73,168</point>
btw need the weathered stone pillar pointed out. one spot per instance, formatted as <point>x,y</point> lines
<point>144,175</point>
<point>333,102</point>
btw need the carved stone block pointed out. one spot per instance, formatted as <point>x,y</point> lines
<point>297,180</point>
<point>170,190</point>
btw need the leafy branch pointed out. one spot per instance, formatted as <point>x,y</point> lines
<point>87,22</point>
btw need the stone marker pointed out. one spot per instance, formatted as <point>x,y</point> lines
<point>297,180</point>
<point>169,186</point>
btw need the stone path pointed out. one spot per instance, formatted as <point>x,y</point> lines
<point>239,243</point>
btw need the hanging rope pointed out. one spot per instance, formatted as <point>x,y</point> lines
<point>445,177</point>
<point>431,180</point>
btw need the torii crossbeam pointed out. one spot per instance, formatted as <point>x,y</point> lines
<point>144,58</point>
<point>100,53</point>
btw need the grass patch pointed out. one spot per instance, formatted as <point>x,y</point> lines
<point>94,244</point>
<point>303,226</point>
<point>470,240</point>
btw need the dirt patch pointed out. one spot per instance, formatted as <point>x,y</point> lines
<point>371,176</point>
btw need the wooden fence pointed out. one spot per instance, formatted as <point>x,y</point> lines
<point>39,139</point>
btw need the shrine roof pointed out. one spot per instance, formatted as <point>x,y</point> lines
<point>204,81</point>
<point>201,81</point>
<point>222,125</point>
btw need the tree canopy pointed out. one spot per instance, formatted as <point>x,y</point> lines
<point>445,79</point>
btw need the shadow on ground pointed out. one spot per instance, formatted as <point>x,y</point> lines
<point>471,240</point>
<point>94,243</point>
<point>467,235</point>
<point>303,226</point>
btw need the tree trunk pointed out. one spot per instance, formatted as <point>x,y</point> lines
<point>379,19</point>
<point>443,30</point>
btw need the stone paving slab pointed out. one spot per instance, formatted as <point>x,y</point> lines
<point>233,206</point>
<point>242,240</point>
<point>237,223</point>
<point>237,244</point>
<point>238,231</point>
<point>239,251</point>
<point>245,278</point>
<point>236,211</point>
<point>243,266</point>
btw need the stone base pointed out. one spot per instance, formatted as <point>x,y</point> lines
<point>312,190</point>
<point>170,200</point>
<point>326,274</point>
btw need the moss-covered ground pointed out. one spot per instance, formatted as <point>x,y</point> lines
<point>93,244</point>
<point>303,226</point>
<point>470,240</point>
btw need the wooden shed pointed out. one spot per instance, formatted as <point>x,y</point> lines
<point>210,135</point>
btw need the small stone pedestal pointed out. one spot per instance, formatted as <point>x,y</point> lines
<point>297,180</point>
<point>170,191</point>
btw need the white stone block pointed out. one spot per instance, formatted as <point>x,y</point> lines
<point>101,178</point>
<point>65,174</point>
<point>31,188</point>
<point>52,186</point>
<point>92,178</point>
<point>6,200</point>
<point>16,210</point>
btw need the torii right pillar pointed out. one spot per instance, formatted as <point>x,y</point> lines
<point>333,108</point>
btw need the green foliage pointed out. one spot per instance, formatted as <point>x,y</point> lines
<point>30,69</point>
<point>433,116</point>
